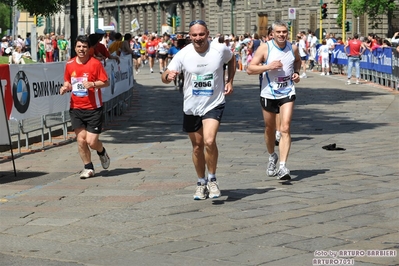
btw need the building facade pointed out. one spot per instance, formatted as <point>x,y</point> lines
<point>247,16</point>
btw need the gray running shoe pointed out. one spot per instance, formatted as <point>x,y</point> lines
<point>86,173</point>
<point>105,160</point>
<point>201,192</point>
<point>213,189</point>
<point>271,166</point>
<point>283,174</point>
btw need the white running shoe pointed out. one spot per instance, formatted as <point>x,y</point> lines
<point>201,192</point>
<point>283,174</point>
<point>348,82</point>
<point>278,137</point>
<point>303,76</point>
<point>86,173</point>
<point>322,74</point>
<point>213,189</point>
<point>271,166</point>
<point>105,160</point>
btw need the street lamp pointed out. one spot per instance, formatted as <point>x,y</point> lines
<point>233,3</point>
<point>95,14</point>
<point>118,13</point>
<point>159,17</point>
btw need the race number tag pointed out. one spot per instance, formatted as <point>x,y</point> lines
<point>282,82</point>
<point>202,85</point>
<point>77,86</point>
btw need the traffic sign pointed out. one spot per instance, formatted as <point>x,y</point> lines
<point>291,13</point>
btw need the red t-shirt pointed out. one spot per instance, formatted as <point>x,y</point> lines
<point>354,47</point>
<point>100,48</point>
<point>152,47</point>
<point>93,70</point>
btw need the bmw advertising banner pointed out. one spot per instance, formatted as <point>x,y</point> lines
<point>32,90</point>
<point>35,90</point>
<point>120,77</point>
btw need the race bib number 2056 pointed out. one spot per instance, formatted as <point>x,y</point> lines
<point>202,85</point>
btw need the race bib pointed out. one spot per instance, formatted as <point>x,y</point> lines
<point>202,85</point>
<point>282,82</point>
<point>77,87</point>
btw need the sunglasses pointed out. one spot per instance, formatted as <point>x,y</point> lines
<point>198,21</point>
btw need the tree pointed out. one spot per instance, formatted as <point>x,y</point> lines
<point>5,13</point>
<point>38,7</point>
<point>375,9</point>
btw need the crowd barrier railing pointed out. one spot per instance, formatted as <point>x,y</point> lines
<point>380,66</point>
<point>38,116</point>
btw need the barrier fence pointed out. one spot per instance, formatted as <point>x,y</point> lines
<point>380,66</point>
<point>33,103</point>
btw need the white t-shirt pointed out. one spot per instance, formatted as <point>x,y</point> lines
<point>203,77</point>
<point>324,51</point>
<point>331,45</point>
<point>302,47</point>
<point>277,83</point>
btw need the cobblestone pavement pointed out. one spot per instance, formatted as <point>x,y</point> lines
<point>140,211</point>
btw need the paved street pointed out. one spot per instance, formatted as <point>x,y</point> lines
<point>141,211</point>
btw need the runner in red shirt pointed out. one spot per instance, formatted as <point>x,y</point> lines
<point>84,77</point>
<point>151,51</point>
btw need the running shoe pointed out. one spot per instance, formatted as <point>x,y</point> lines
<point>357,82</point>
<point>86,173</point>
<point>283,174</point>
<point>213,189</point>
<point>201,192</point>
<point>348,82</point>
<point>105,160</point>
<point>271,166</point>
<point>278,137</point>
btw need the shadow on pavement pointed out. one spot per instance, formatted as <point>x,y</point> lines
<point>239,194</point>
<point>8,176</point>
<point>118,172</point>
<point>302,174</point>
<point>158,113</point>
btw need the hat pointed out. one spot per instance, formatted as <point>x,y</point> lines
<point>99,31</point>
<point>245,41</point>
<point>136,37</point>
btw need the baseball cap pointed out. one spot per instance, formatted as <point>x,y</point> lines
<point>99,31</point>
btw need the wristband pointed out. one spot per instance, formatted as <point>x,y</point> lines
<point>94,84</point>
<point>166,77</point>
<point>296,72</point>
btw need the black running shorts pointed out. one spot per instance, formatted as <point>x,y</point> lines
<point>273,105</point>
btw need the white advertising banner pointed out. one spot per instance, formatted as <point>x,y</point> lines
<point>120,77</point>
<point>36,90</point>
<point>33,90</point>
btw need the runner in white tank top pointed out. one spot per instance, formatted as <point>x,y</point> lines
<point>279,63</point>
<point>277,83</point>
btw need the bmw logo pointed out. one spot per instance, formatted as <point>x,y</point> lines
<point>21,92</point>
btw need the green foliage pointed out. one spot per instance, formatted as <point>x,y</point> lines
<point>375,10</point>
<point>4,60</point>
<point>5,12</point>
<point>42,7</point>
